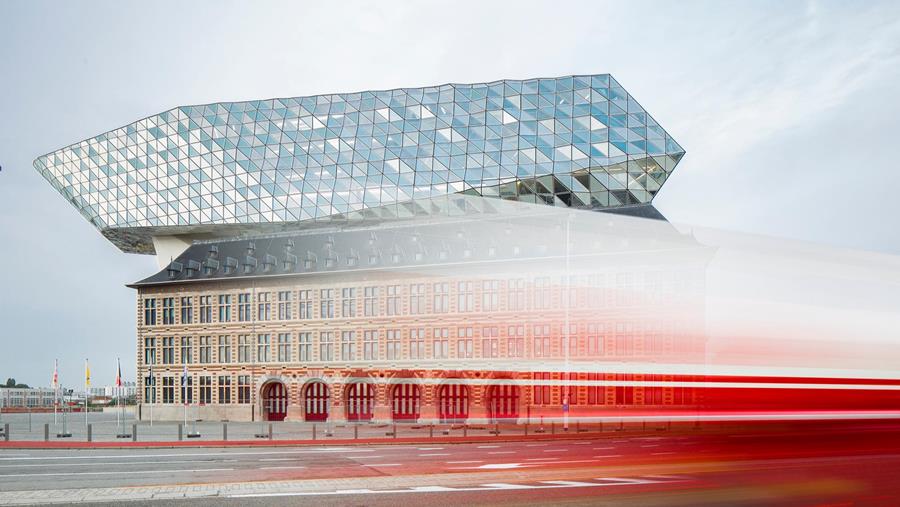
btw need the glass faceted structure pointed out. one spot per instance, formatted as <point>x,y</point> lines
<point>577,141</point>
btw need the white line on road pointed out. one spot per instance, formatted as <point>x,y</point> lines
<point>464,462</point>
<point>278,459</point>
<point>541,459</point>
<point>488,446</point>
<point>120,472</point>
<point>431,448</point>
<point>501,452</point>
<point>363,457</point>
<point>192,454</point>
<point>383,464</point>
<point>436,454</point>
<point>555,450</point>
<point>281,468</point>
<point>129,463</point>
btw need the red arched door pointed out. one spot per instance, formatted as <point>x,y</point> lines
<point>453,403</point>
<point>315,395</point>
<point>405,402</point>
<point>360,401</point>
<point>275,400</point>
<point>503,402</point>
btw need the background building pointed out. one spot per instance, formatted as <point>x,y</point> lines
<point>400,255</point>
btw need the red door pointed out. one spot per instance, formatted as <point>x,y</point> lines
<point>360,401</point>
<point>453,403</point>
<point>405,402</point>
<point>503,402</point>
<point>275,401</point>
<point>316,396</point>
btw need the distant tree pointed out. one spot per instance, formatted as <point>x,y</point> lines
<point>11,382</point>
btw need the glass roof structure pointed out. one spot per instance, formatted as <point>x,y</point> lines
<point>576,141</point>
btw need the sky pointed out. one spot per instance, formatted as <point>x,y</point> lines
<point>789,112</point>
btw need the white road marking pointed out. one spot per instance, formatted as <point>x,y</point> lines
<point>536,445</point>
<point>498,486</point>
<point>463,462</point>
<point>435,454</point>
<point>278,459</point>
<point>541,459</point>
<point>190,454</point>
<point>383,465</point>
<point>281,468</point>
<point>129,463</point>
<point>119,472</point>
<point>431,448</point>
<point>488,446</point>
<point>363,457</point>
<point>501,452</point>
<point>556,450</point>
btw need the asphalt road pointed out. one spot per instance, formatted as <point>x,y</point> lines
<point>837,463</point>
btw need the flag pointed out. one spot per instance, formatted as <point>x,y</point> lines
<point>87,374</point>
<point>118,373</point>
<point>55,382</point>
<point>184,376</point>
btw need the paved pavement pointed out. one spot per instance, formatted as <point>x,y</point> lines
<point>776,467</point>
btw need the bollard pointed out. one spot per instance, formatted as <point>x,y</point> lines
<point>270,431</point>
<point>224,432</point>
<point>180,431</point>
<point>134,432</point>
<point>6,432</point>
<point>395,430</point>
<point>314,431</point>
<point>430,431</point>
<point>46,432</point>
<point>553,428</point>
<point>90,432</point>
<point>465,429</point>
<point>356,432</point>
<point>526,429</point>
<point>497,429</point>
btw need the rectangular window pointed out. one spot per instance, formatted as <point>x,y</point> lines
<point>149,350</point>
<point>541,392</point>
<point>417,298</point>
<point>264,306</point>
<point>284,347</point>
<point>205,389</point>
<point>541,340</point>
<point>326,302</point>
<point>348,302</point>
<point>417,343</point>
<point>224,349</point>
<point>186,351</point>
<point>187,389</point>
<point>262,348</point>
<point>205,309</point>
<point>440,348</point>
<point>243,388</point>
<point>168,390</point>
<point>392,302</point>
<point>326,346</point>
<point>205,349</point>
<point>515,341</point>
<point>441,298</point>
<point>306,304</point>
<point>370,345</point>
<point>284,305</point>
<point>490,342</point>
<point>595,341</point>
<point>542,293</point>
<point>187,310</point>
<point>168,311</point>
<point>149,312</point>
<point>168,350</point>
<point>244,314</point>
<point>304,346</point>
<point>516,296</point>
<point>464,343</point>
<point>244,349</point>
<point>465,298</point>
<point>225,308</point>
<point>224,389</point>
<point>393,344</point>
<point>149,389</point>
<point>490,295</point>
<point>348,346</point>
<point>370,301</point>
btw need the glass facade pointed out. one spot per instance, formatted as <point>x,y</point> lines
<point>577,141</point>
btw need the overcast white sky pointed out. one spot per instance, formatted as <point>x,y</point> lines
<point>789,113</point>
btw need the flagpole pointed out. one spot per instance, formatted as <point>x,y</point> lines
<point>55,390</point>
<point>152,394</point>
<point>87,388</point>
